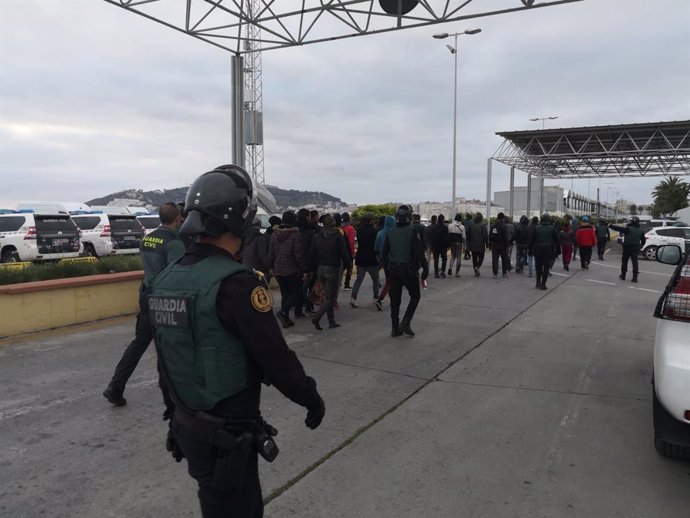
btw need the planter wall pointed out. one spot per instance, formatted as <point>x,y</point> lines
<point>38,306</point>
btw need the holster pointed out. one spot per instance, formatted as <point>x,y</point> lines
<point>234,441</point>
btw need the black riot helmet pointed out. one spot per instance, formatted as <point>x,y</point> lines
<point>403,215</point>
<point>635,221</point>
<point>546,219</point>
<point>220,201</point>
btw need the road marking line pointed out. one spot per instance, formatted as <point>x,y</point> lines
<point>644,289</point>
<point>560,274</point>
<point>602,282</point>
<point>618,268</point>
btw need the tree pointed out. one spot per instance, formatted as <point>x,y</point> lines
<point>633,209</point>
<point>387,209</point>
<point>670,195</point>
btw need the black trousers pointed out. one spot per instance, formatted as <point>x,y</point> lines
<point>400,275</point>
<point>542,262</point>
<point>444,261</point>
<point>477,259</point>
<point>630,252</point>
<point>503,254</point>
<point>143,335</point>
<point>601,246</point>
<point>229,502</point>
<point>290,293</point>
<point>585,255</point>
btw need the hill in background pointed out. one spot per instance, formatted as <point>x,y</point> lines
<point>284,197</point>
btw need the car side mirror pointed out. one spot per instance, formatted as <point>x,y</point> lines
<point>669,254</point>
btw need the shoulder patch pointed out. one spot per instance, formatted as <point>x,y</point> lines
<point>262,300</point>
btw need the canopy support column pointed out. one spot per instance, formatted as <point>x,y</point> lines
<point>512,192</point>
<point>488,191</point>
<point>238,110</point>
<point>529,195</point>
<point>541,196</point>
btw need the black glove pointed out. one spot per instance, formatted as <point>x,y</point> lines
<point>425,274</point>
<point>173,448</point>
<point>315,414</point>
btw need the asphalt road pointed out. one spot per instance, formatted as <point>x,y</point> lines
<point>509,402</point>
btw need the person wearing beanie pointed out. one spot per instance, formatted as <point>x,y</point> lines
<point>328,255</point>
<point>288,262</point>
<point>498,239</point>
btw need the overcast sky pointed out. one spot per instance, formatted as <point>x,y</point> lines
<point>94,99</point>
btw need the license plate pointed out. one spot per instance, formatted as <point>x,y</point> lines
<point>62,241</point>
<point>130,238</point>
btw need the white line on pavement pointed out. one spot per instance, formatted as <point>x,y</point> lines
<point>560,274</point>
<point>643,289</point>
<point>618,268</point>
<point>602,282</point>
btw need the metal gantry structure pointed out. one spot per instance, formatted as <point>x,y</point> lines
<point>253,103</point>
<point>290,23</point>
<point>248,27</point>
<point>648,149</point>
<point>621,151</point>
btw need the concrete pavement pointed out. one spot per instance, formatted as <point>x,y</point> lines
<point>510,401</point>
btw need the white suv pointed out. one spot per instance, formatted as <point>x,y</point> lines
<point>671,235</point>
<point>671,382</point>
<point>150,222</point>
<point>106,234</point>
<point>25,236</point>
<point>95,233</point>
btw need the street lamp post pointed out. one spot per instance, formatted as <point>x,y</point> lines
<point>543,120</point>
<point>454,50</point>
<point>541,180</point>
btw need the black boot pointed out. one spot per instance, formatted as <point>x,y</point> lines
<point>622,276</point>
<point>315,321</point>
<point>405,328</point>
<point>285,320</point>
<point>114,396</point>
<point>396,331</point>
<point>634,279</point>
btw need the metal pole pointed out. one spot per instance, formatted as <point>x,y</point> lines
<point>529,195</point>
<point>455,125</point>
<point>541,196</point>
<point>488,192</point>
<point>512,192</point>
<point>238,110</point>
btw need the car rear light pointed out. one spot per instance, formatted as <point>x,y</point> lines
<point>106,231</point>
<point>677,304</point>
<point>687,415</point>
<point>31,234</point>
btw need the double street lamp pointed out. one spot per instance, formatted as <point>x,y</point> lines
<point>454,50</point>
<point>543,120</point>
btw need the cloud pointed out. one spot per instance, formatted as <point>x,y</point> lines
<point>94,99</point>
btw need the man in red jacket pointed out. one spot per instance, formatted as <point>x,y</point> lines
<point>349,232</point>
<point>586,239</point>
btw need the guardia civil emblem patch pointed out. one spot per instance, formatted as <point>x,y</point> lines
<point>262,300</point>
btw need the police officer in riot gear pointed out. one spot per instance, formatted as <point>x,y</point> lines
<point>634,241</point>
<point>158,249</point>
<point>217,340</point>
<point>403,255</point>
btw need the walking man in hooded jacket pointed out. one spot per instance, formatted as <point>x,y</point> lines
<point>404,255</point>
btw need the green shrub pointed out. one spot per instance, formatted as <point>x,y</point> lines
<point>48,271</point>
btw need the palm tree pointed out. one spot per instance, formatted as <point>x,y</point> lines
<point>670,195</point>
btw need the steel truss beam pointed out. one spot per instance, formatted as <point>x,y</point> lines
<point>651,149</point>
<point>279,24</point>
